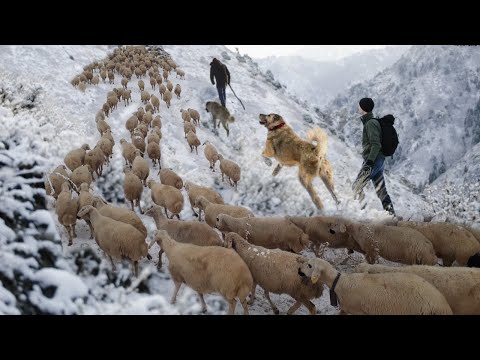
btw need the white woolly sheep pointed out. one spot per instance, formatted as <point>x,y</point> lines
<point>271,233</point>
<point>211,154</point>
<point>275,271</point>
<point>66,208</point>
<point>212,210</point>
<point>187,232</point>
<point>82,174</point>
<point>377,294</point>
<point>154,153</point>
<point>459,285</point>
<point>116,238</point>
<point>230,169</point>
<point>195,191</point>
<point>208,269</point>
<point>187,127</point>
<point>178,90</point>
<point>195,115</point>
<point>133,188</point>
<point>131,124</point>
<point>57,178</point>
<point>168,197</point>
<point>169,177</point>
<point>128,151</point>
<point>140,168</point>
<point>76,158</point>
<point>167,97</point>
<point>193,141</point>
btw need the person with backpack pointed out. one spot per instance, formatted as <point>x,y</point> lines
<point>221,74</point>
<point>379,139</point>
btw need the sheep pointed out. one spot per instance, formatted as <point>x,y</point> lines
<point>103,75</point>
<point>271,233</point>
<point>153,137</point>
<point>187,232</point>
<point>138,141</point>
<point>157,121</point>
<point>319,231</point>
<point>376,294</point>
<point>193,141</point>
<point>194,191</point>
<point>169,86</point>
<point>143,129</point>
<point>100,115</point>
<point>124,83</point>
<point>133,188</point>
<point>82,174</point>
<point>459,285</point>
<point>56,179</point>
<point>231,169</point>
<point>112,101</point>
<point>116,238</point>
<point>180,73</point>
<point>95,159</point>
<point>149,107</point>
<point>96,80</point>
<point>178,90</point>
<point>154,153</point>
<point>167,97</point>
<point>75,81</point>
<point>195,115</point>
<point>82,86</point>
<point>106,146</point>
<point>131,124</point>
<point>393,243</point>
<point>451,242</point>
<point>185,115</point>
<point>108,135</point>
<point>207,269</point>
<point>111,78</point>
<point>165,75</point>
<point>159,79</point>
<point>139,113</point>
<point>147,118</point>
<point>169,177</point>
<point>85,198</point>
<point>140,168</point>
<point>127,96</point>
<point>76,158</point>
<point>156,103</point>
<point>145,96</point>
<point>66,208</point>
<point>106,109</point>
<point>187,127</point>
<point>275,271</point>
<point>168,197</point>
<point>211,154</point>
<point>120,214</point>
<point>212,210</point>
<point>128,151</point>
<point>138,73</point>
<point>153,82</point>
<point>162,90</point>
<point>474,232</point>
<point>102,126</point>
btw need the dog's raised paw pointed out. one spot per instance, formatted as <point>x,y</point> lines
<point>268,161</point>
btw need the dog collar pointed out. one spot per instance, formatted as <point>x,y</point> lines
<point>277,127</point>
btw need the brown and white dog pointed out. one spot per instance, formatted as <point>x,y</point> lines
<point>290,150</point>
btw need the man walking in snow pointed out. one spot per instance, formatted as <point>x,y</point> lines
<point>374,160</point>
<point>221,74</point>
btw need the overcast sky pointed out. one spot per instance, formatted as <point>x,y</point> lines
<point>316,52</point>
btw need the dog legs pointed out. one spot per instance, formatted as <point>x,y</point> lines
<point>306,182</point>
<point>268,153</point>
<point>277,170</point>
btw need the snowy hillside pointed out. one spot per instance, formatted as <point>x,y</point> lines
<point>433,92</point>
<point>42,117</point>
<point>319,82</point>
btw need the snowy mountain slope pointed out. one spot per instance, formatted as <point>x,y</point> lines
<point>319,82</point>
<point>430,90</point>
<point>47,117</point>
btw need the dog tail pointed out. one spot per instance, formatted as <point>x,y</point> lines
<point>321,137</point>
<point>231,119</point>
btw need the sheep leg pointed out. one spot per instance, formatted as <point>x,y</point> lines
<point>166,213</point>
<point>310,306</point>
<point>91,228</point>
<point>175,292</point>
<point>196,149</point>
<point>294,307</point>
<point>267,296</point>
<point>252,297</point>
<point>139,206</point>
<point>194,213</point>
<point>70,242</point>
<point>135,267</point>
<point>133,209</point>
<point>231,306</point>
<point>223,177</point>
<point>245,306</point>
<point>204,306</point>
<point>113,265</point>
<point>277,170</point>
<point>159,266</point>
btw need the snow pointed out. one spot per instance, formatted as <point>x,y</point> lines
<point>62,118</point>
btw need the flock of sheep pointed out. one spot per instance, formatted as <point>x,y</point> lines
<point>233,251</point>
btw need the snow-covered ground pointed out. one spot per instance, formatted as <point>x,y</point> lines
<point>42,117</point>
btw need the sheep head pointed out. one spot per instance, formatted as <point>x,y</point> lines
<point>65,186</point>
<point>338,226</point>
<point>84,187</point>
<point>86,147</point>
<point>306,269</point>
<point>85,210</point>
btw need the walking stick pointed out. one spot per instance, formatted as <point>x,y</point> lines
<point>236,96</point>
